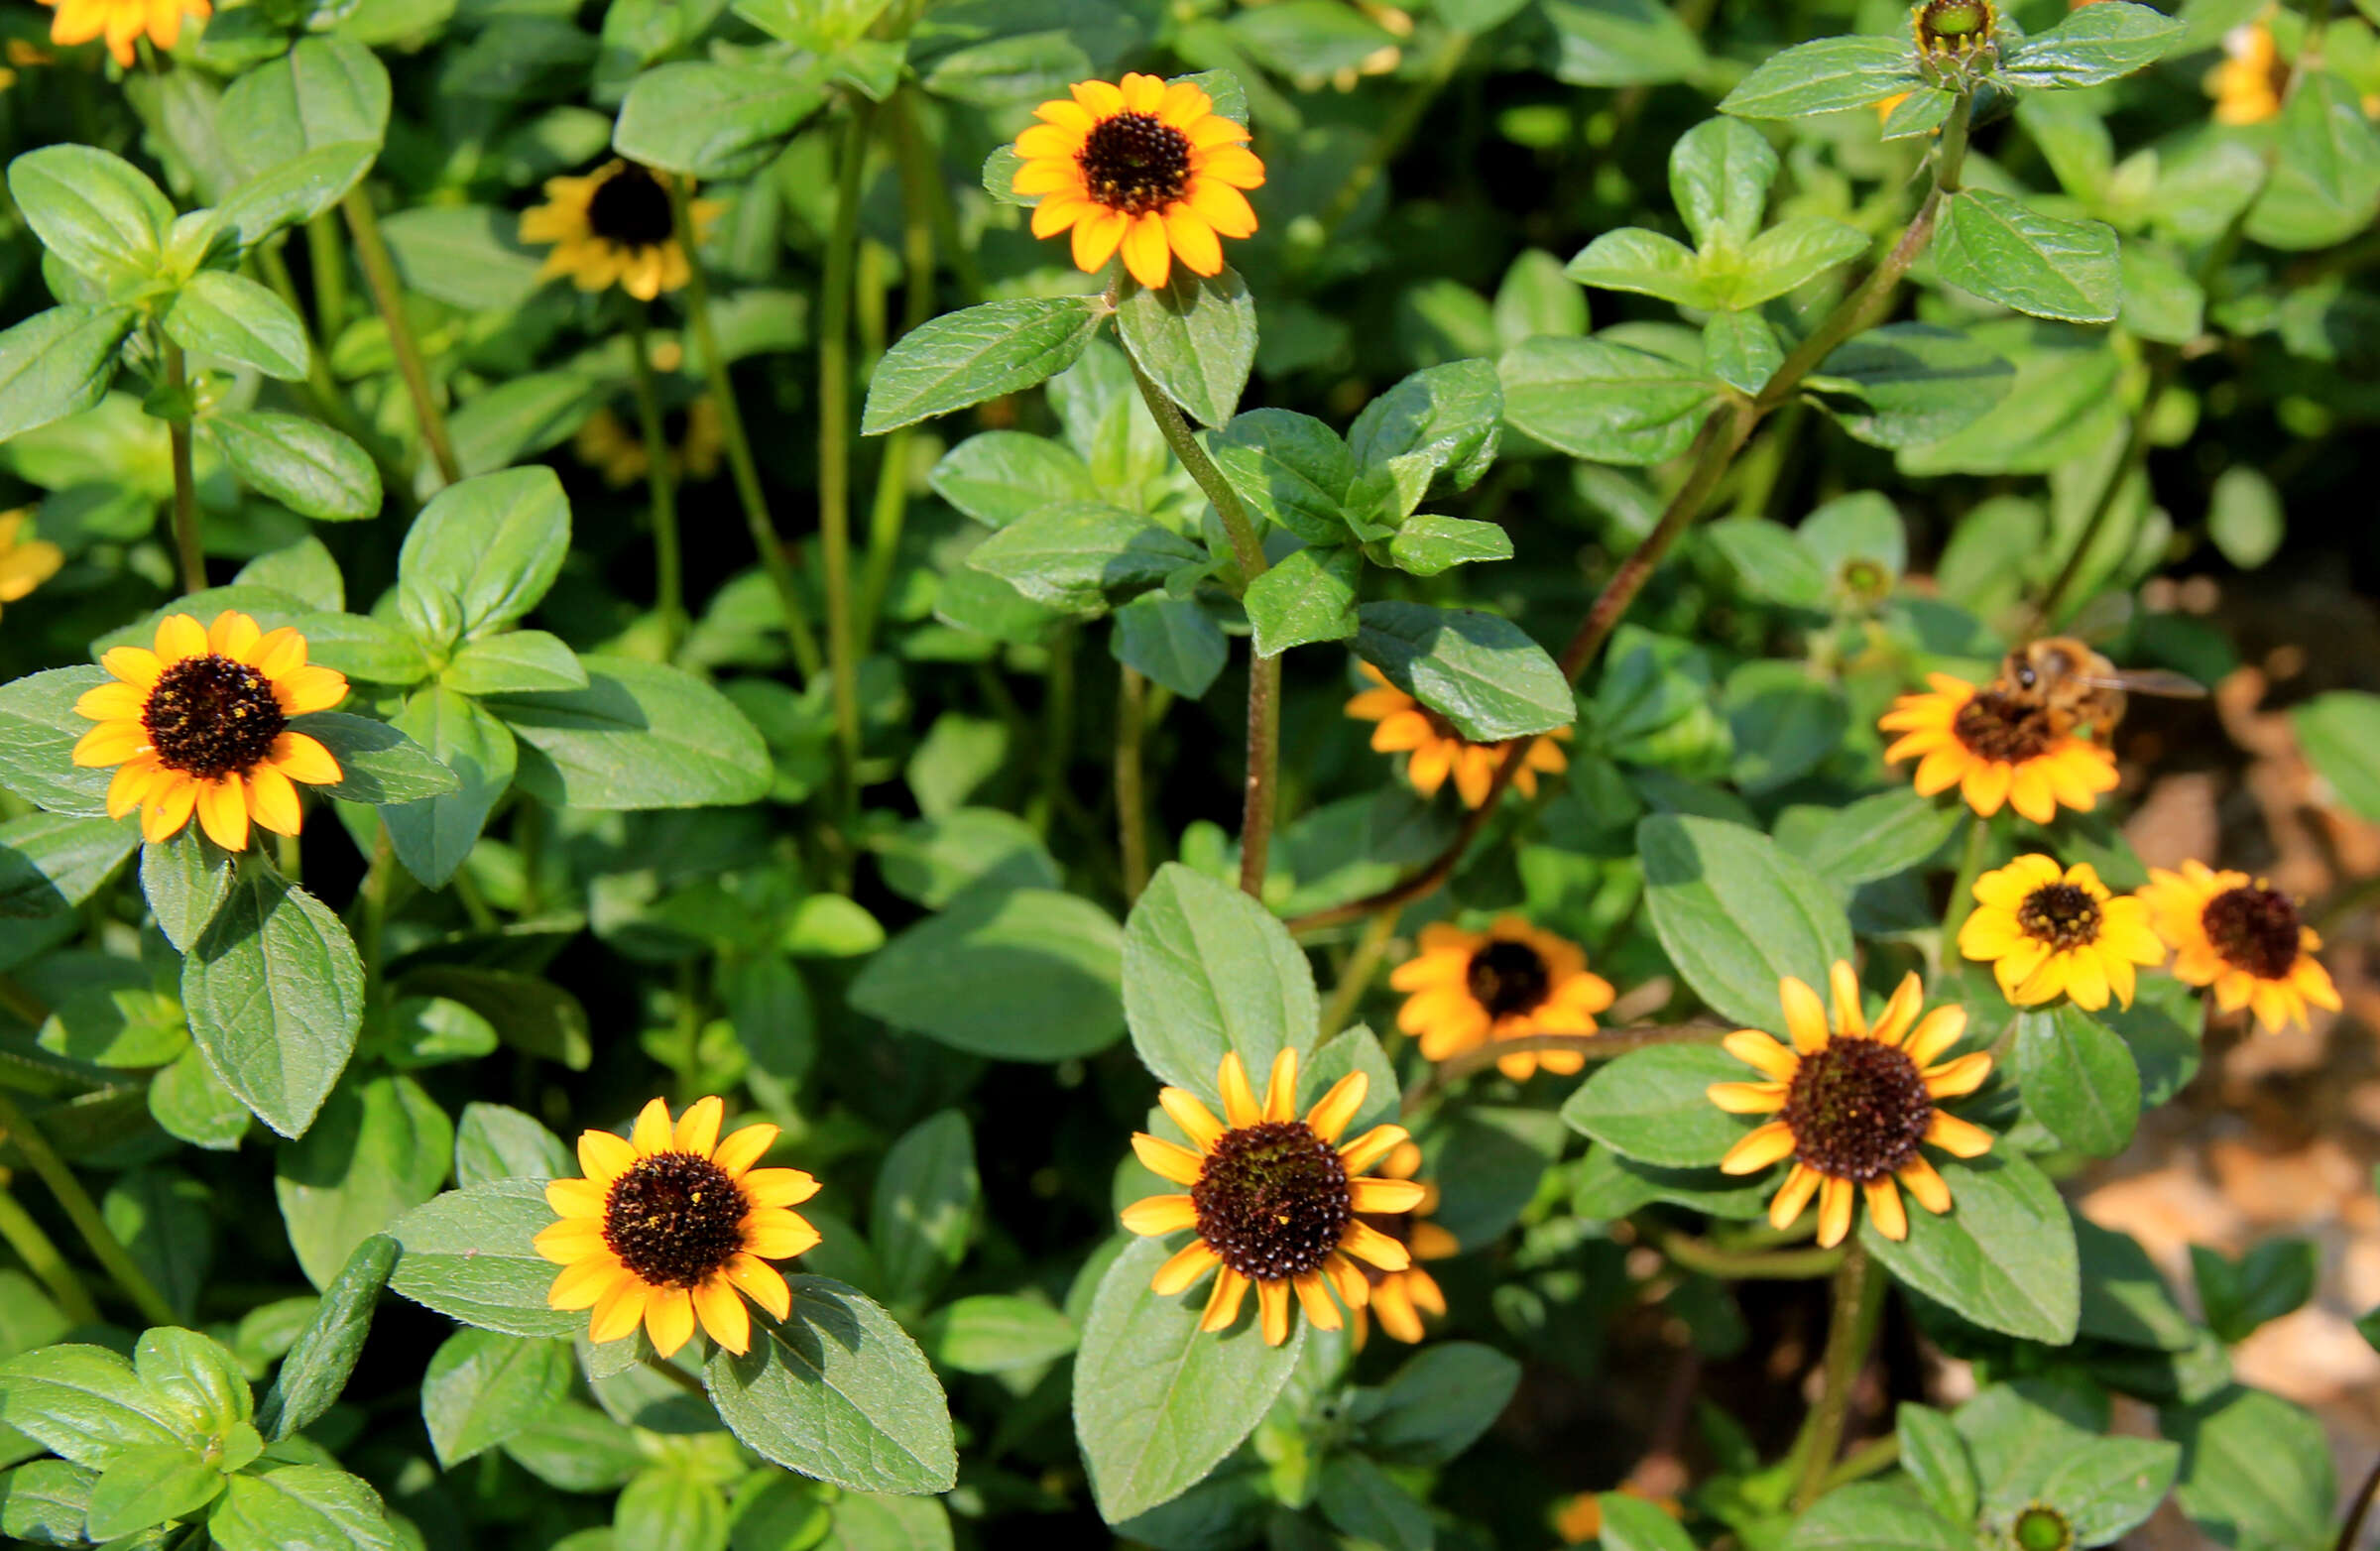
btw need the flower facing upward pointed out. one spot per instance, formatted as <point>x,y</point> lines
<point>122,21</point>
<point>1995,750</point>
<point>1401,1298</point>
<point>1406,726</point>
<point>2243,939</point>
<point>1853,1104</point>
<point>2045,933</point>
<point>614,227</point>
<point>25,563</point>
<point>671,1225</point>
<point>1274,1201</point>
<point>1471,988</point>
<point>2247,85</point>
<point>201,724</point>
<point>1142,167</point>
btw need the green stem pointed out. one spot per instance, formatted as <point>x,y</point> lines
<point>668,565</point>
<point>1131,805</point>
<point>1871,1458</point>
<point>388,295</point>
<point>1963,885</point>
<point>185,485</point>
<point>1355,977</point>
<point>774,559</point>
<point>373,896</point>
<point>1246,547</point>
<point>1858,1307</point>
<point>1698,1255</point>
<point>689,1035</point>
<point>834,449</point>
<point>85,1214</point>
<point>323,389</point>
<point>1402,121</point>
<point>329,263</point>
<point>22,1233</point>
<point>919,177</point>
<point>1057,735</point>
<point>2134,455</point>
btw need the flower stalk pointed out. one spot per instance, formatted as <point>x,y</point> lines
<point>380,274</point>
<point>185,485</point>
<point>84,1213</point>
<point>834,446</point>
<point>1132,803</point>
<point>660,483</point>
<point>1858,1310</point>
<point>919,192</point>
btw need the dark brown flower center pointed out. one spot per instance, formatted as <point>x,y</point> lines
<point>1135,162</point>
<point>1995,727</point>
<point>210,716</point>
<point>2060,914</point>
<point>674,1218</point>
<point>2254,930</point>
<point>1509,977</point>
<point>1856,1109</point>
<point>1272,1200</point>
<point>631,209</point>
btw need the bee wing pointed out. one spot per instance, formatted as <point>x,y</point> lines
<point>2103,618</point>
<point>2147,681</point>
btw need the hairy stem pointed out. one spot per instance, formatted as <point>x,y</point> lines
<point>834,449</point>
<point>1859,1306</point>
<point>380,274</point>
<point>185,485</point>
<point>22,1234</point>
<point>660,483</point>
<point>1963,885</point>
<point>85,1214</point>
<point>1131,804</point>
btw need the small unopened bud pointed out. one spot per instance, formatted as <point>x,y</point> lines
<point>2042,1528</point>
<point>1955,30</point>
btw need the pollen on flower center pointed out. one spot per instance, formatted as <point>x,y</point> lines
<point>2060,914</point>
<point>1856,1109</point>
<point>1993,727</point>
<point>674,1218</point>
<point>210,716</point>
<point>2254,930</point>
<point>1135,162</point>
<point>1272,1200</point>
<point>631,209</point>
<point>1508,977</point>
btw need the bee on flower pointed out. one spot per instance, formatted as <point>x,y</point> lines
<point>2244,938</point>
<point>2049,932</point>
<point>1997,748</point>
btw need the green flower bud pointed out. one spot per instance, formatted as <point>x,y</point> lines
<point>2042,1528</point>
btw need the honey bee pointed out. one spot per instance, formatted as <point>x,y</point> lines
<point>2076,688</point>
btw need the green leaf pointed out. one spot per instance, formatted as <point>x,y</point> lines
<point>1644,262</point>
<point>468,1254</point>
<point>995,1334</point>
<point>1481,672</point>
<point>2338,731</point>
<point>43,1502</point>
<point>1720,174</point>
<point>2004,251</point>
<point>706,120</point>
<point>493,544</point>
<point>1936,1457</point>
<point>1619,42</point>
<point>2095,45</point>
<point>1195,337</point>
<point>149,1484</point>
<point>434,834</point>
<point>232,317</point>
<point>1172,640</point>
<point>1654,1105</point>
<point>1158,1403</point>
<point>838,1392</point>
<point>935,860</point>
<point>497,1142</point>
<point>1208,970</point>
<point>1308,37</point>
<point>51,863</point>
<point>2322,190</point>
<point>378,763</point>
<point>1906,385</point>
<point>1077,558</point>
<point>482,1388</point>
<point>1877,837</point>
<point>1359,1497</point>
<point>669,1509</point>
<point>1438,428</point>
<point>326,91</point>
<point>641,735</point>
<point>1002,475</point>
<point>2026,1452</point>
<point>2003,1255</point>
<point>924,1207</point>
<point>1438,1403</point>
<point>1023,975</point>
<point>199,1380</point>
<point>191,1103</point>
<point>1308,596</point>
<point>1741,350</point>
<point>295,192</point>
<point>2256,1471</point>
<point>300,1505</point>
<point>530,1015</point>
<point>1736,914</point>
<point>1875,1515</point>
<point>1784,258</point>
<point>315,1370</point>
<point>85,1403</point>
<point>1830,75</point>
<point>39,728</point>
<point>2079,1080</point>
<point>378,1150</point>
<point>2274,1278</point>
<point>2246,520</point>
<point>1291,468</point>
<point>1428,545</point>
<point>1605,402</point>
<point>963,358</point>
<point>465,255</point>
<point>577,1448</point>
<point>1770,562</point>
<point>97,212</point>
<point>519,661</point>
<point>1784,722</point>
<point>274,994</point>
<point>1631,1523</point>
<point>166,1220</point>
<point>2124,1295</point>
<point>303,464</point>
<point>59,363</point>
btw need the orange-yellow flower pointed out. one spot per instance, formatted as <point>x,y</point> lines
<point>2243,938</point>
<point>25,563</point>
<point>1474,987</point>
<point>1437,750</point>
<point>615,227</point>
<point>122,22</point>
<point>1995,750</point>
<point>2247,85</point>
<point>1401,1298</point>
<point>2049,932</point>
<point>1143,168</point>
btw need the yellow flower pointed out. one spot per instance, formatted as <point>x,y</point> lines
<point>2244,940</point>
<point>1470,988</point>
<point>201,724</point>
<point>1273,1198</point>
<point>2247,85</point>
<point>25,563</point>
<point>614,227</point>
<point>2046,932</point>
<point>1995,750</point>
<point>1853,1104</point>
<point>670,1224</point>
<point>1143,167</point>
<point>616,449</point>
<point>123,21</point>
<point>1406,726</point>
<point>1401,1298</point>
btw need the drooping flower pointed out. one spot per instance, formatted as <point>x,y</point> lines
<point>122,22</point>
<point>1139,166</point>
<point>616,449</point>
<point>1853,1105</point>
<point>1473,988</point>
<point>1275,1202</point>
<point>1996,751</point>
<point>2247,85</point>
<point>2048,932</point>
<point>1401,1298</point>
<point>614,227</point>
<point>201,724</point>
<point>674,1225</point>
<point>1437,750</point>
<point>2243,938</point>
<point>25,563</point>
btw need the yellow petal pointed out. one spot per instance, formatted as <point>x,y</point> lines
<point>582,1198</point>
<point>110,742</point>
<point>1805,1016</point>
<point>1760,1050</point>
<point>604,1157</point>
<point>776,1235</point>
<point>1748,1098</point>
<point>1145,252</point>
<point>1833,1212</point>
<point>585,1283</point>
<point>1223,1304</point>
<point>722,1314</point>
<point>180,635</point>
<point>570,1242</point>
<point>1183,1267</point>
<point>1330,1115</point>
<point>1369,1148</point>
<point>1884,1209</point>
<point>740,1150</point>
<point>1166,1159</point>
<point>114,701</point>
<point>1961,1076</point>
<point>134,664</point>
<point>1239,1107</point>
<point>1901,1011</point>
<point>273,800</point>
<point>759,1281</point>
<point>310,690</point>
<point>1758,1149</point>
<point>1792,1196</point>
<point>1154,1215</point>
<point>1958,1138</point>
<point>1280,1088</point>
<point>651,1133</point>
<point>668,1319</point>
<point>1386,1195</point>
<point>1367,1242</point>
<point>1921,1180</point>
<point>1843,985</point>
<point>172,797</point>
<point>1935,1032</point>
<point>697,1130</point>
<point>1272,1308</point>
<point>301,757</point>
<point>223,812</point>
<point>776,1186</point>
<point>231,634</point>
<point>1198,1122</point>
<point>618,1311</point>
<point>1321,1312</point>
